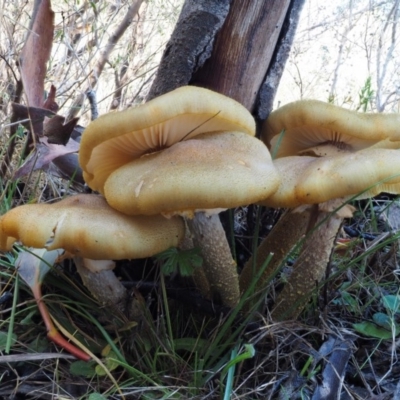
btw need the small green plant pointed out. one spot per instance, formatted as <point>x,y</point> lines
<point>183,262</point>
<point>383,325</point>
<point>365,96</point>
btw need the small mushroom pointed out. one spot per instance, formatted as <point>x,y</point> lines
<point>167,156</point>
<point>329,182</point>
<point>88,228</point>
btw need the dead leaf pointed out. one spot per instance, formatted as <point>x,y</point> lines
<point>32,267</point>
<point>68,168</point>
<point>56,131</point>
<point>44,154</point>
<point>36,53</point>
<point>31,118</point>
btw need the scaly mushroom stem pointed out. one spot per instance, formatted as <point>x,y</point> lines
<point>199,276</point>
<point>100,280</point>
<point>283,237</point>
<point>102,284</point>
<point>218,264</point>
<point>309,267</point>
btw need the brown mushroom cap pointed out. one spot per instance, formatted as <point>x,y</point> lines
<point>117,138</point>
<point>85,225</point>
<point>312,180</point>
<point>323,129</point>
<point>213,170</point>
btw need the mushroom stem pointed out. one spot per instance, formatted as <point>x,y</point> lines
<point>282,238</point>
<point>199,276</point>
<point>103,284</point>
<point>219,266</point>
<point>309,268</point>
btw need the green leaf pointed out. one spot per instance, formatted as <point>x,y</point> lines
<point>372,330</point>
<point>28,319</point>
<point>392,303</point>
<point>38,345</point>
<point>249,352</point>
<point>96,396</point>
<point>3,340</point>
<point>182,261</point>
<point>83,368</point>
<point>109,362</point>
<point>383,320</point>
<point>191,344</point>
<point>346,299</point>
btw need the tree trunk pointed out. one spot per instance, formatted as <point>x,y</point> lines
<point>243,50</point>
<point>238,48</point>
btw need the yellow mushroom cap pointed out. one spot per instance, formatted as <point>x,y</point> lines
<point>117,138</point>
<point>6,241</point>
<point>291,171</point>
<point>213,170</point>
<point>85,225</point>
<point>314,126</point>
<point>313,180</point>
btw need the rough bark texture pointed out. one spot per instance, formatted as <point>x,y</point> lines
<point>190,45</point>
<point>243,50</point>
<point>283,237</point>
<point>219,267</point>
<point>308,269</point>
<point>277,65</point>
<point>230,52</point>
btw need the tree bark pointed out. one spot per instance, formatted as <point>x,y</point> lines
<point>190,45</point>
<point>237,48</point>
<point>243,50</point>
<point>277,64</point>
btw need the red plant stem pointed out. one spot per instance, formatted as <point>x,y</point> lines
<point>52,333</point>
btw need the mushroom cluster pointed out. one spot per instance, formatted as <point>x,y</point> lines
<point>190,152</point>
<point>92,232</point>
<point>325,155</point>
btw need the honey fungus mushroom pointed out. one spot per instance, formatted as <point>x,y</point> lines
<point>187,152</point>
<point>94,233</point>
<point>316,128</point>
<point>115,139</point>
<point>319,154</point>
<point>326,184</point>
